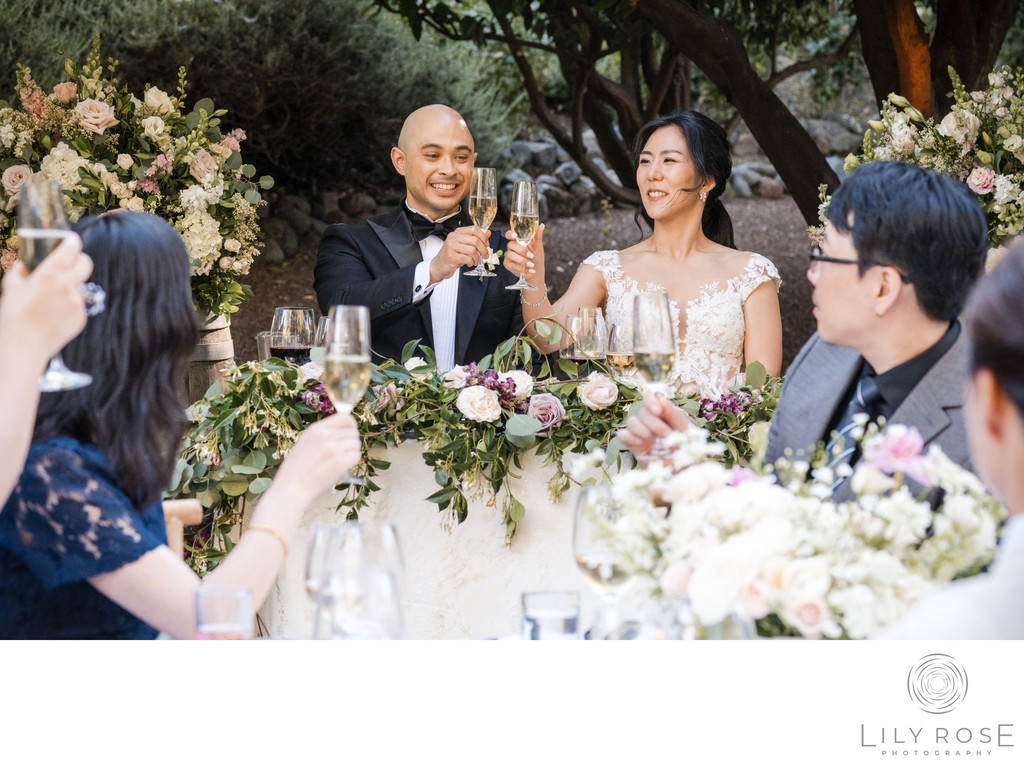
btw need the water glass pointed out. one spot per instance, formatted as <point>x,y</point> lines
<point>224,612</point>
<point>263,345</point>
<point>551,615</point>
<point>319,349</point>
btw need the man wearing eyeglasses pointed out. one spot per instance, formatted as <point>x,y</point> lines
<point>901,250</point>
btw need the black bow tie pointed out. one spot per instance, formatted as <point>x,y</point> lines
<point>423,227</point>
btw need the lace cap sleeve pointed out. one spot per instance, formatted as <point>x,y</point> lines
<point>605,261</point>
<point>758,271</point>
<point>68,520</point>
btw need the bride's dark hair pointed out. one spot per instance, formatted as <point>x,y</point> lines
<point>709,150</point>
<point>137,352</point>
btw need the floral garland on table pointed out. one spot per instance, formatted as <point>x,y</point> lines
<point>474,423</point>
<point>980,142</point>
<point>109,150</point>
<point>780,550</point>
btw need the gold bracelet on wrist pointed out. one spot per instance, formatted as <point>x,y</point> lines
<point>271,531</point>
<point>543,298</point>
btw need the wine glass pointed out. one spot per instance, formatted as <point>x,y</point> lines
<point>347,364</point>
<point>365,581</point>
<point>524,220</point>
<point>42,226</point>
<point>292,334</point>
<point>315,573</point>
<point>224,612</point>
<point>620,353</point>
<point>319,349</point>
<point>591,334</point>
<point>483,206</point>
<point>594,531</point>
<point>654,346</point>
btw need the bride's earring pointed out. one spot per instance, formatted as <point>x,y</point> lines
<point>703,196</point>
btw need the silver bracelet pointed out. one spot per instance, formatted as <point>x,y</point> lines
<point>544,297</point>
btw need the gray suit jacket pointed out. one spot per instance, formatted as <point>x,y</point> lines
<point>821,373</point>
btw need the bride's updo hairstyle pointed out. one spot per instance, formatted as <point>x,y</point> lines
<point>709,150</point>
<point>137,351</point>
<point>993,323</point>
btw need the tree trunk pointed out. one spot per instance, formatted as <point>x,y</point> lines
<point>715,46</point>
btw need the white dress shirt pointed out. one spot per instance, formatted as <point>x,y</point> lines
<point>443,296</point>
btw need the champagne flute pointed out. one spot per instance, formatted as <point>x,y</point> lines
<point>42,226</point>
<point>292,334</point>
<point>654,345</point>
<point>524,221</point>
<point>483,206</point>
<point>594,532</point>
<point>347,364</point>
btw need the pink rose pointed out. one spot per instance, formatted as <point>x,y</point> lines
<point>898,451</point>
<point>598,391</point>
<point>65,91</point>
<point>203,166</point>
<point>95,116</point>
<point>388,398</point>
<point>230,142</point>
<point>981,180</point>
<point>13,179</point>
<point>8,258</point>
<point>547,409</point>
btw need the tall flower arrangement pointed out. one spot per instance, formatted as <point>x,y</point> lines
<point>779,549</point>
<point>980,142</point>
<point>110,150</point>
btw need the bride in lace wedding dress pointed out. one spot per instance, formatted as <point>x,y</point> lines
<point>724,302</point>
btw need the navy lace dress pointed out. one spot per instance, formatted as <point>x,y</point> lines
<point>66,521</point>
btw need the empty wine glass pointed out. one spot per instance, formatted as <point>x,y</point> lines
<point>347,365</point>
<point>654,345</point>
<point>292,334</point>
<point>42,226</point>
<point>524,219</point>
<point>319,349</point>
<point>315,574</point>
<point>365,581</point>
<point>483,206</point>
<point>594,542</point>
<point>590,334</point>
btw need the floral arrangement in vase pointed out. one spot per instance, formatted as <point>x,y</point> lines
<point>474,423</point>
<point>776,547</point>
<point>110,150</point>
<point>980,142</point>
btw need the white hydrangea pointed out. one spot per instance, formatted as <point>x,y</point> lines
<point>202,237</point>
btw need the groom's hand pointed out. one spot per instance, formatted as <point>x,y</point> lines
<point>658,418</point>
<point>463,247</point>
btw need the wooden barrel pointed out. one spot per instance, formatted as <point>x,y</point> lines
<point>213,351</point>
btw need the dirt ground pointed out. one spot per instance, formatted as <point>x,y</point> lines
<point>773,228</point>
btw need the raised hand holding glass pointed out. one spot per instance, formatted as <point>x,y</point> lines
<point>483,206</point>
<point>524,220</point>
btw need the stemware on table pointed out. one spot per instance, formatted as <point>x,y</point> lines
<point>347,364</point>
<point>654,345</point>
<point>594,538</point>
<point>483,206</point>
<point>620,353</point>
<point>524,219</point>
<point>42,226</point>
<point>224,612</point>
<point>292,334</point>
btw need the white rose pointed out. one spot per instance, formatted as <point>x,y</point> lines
<point>415,363</point>
<point>479,404</point>
<point>868,480</point>
<point>598,391</point>
<point>158,102</point>
<point>125,161</point>
<point>153,128</point>
<point>136,204</point>
<point>695,482</point>
<point>225,263</point>
<point>95,116</point>
<point>456,377</point>
<point>523,381</point>
<point>802,588</point>
<point>232,245</point>
<point>203,166</point>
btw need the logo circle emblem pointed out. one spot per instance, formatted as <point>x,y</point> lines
<point>937,683</point>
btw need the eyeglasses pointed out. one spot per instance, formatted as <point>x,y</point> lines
<point>815,256</point>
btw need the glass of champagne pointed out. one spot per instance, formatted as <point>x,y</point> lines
<point>620,353</point>
<point>347,364</point>
<point>654,345</point>
<point>483,206</point>
<point>524,220</point>
<point>292,334</point>
<point>42,226</point>
<point>594,532</point>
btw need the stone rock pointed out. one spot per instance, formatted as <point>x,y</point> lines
<point>837,165</point>
<point>560,202</point>
<point>561,155</point>
<point>568,173</point>
<point>590,142</point>
<point>297,219</point>
<point>542,154</point>
<point>273,228</point>
<point>359,205</point>
<point>288,240</point>
<point>329,201</point>
<point>293,202</point>
<point>587,196</point>
<point>832,137</point>
<point>272,253</point>
<point>767,188</point>
<point>740,185</point>
<point>317,228</point>
<point>520,152</point>
<point>337,216</point>
<point>612,175</point>
<point>516,174</point>
<point>546,181</point>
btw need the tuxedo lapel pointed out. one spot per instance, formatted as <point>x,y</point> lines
<point>395,233</point>
<point>471,298</point>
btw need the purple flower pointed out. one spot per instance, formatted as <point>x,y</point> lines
<point>315,397</point>
<point>547,409</point>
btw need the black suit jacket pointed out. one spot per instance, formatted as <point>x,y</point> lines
<point>373,264</point>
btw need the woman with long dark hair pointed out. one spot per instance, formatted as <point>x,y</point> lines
<point>989,605</point>
<point>724,302</point>
<point>83,549</point>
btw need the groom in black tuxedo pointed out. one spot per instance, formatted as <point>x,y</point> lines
<point>407,265</point>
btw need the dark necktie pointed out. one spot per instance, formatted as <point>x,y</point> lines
<point>423,227</point>
<point>843,448</point>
